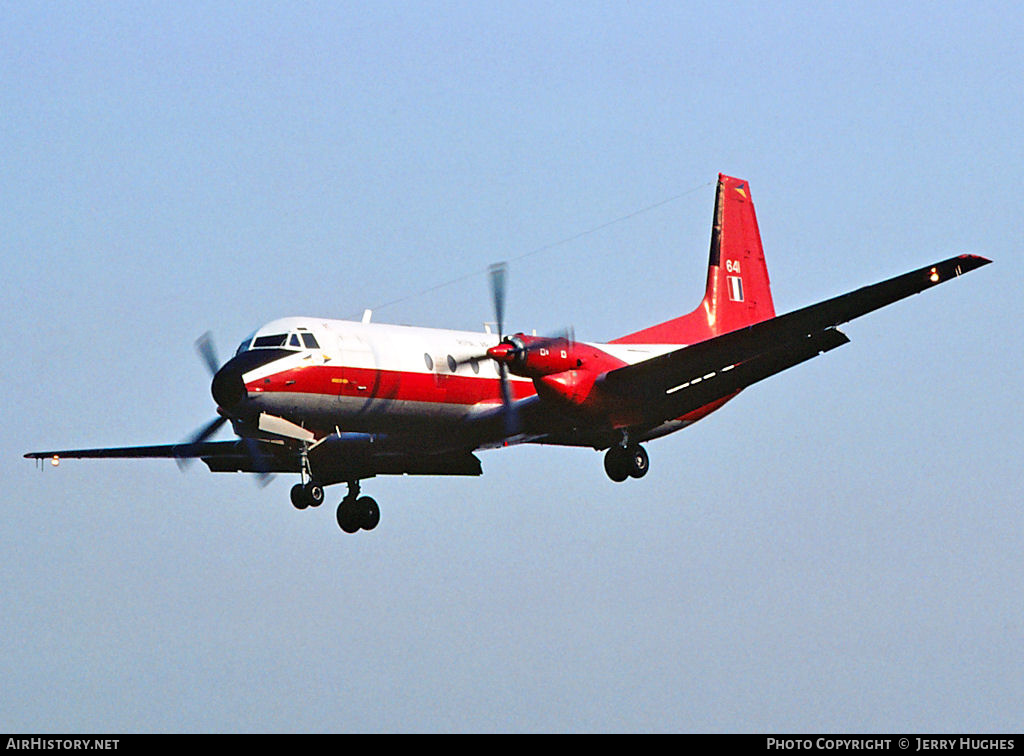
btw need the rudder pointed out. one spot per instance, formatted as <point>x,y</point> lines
<point>738,291</point>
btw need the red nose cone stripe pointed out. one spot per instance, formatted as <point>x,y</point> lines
<point>500,352</point>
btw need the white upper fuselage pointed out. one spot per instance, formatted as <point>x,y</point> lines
<point>371,376</point>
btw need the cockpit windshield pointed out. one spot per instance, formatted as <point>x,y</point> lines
<point>269,342</point>
<point>301,340</point>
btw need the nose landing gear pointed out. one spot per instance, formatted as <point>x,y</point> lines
<point>628,461</point>
<point>307,495</point>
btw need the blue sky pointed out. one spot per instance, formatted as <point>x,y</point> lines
<point>836,550</point>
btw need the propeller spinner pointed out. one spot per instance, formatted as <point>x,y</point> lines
<point>228,390</point>
<point>511,352</point>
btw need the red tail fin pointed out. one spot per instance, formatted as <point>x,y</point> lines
<point>738,292</point>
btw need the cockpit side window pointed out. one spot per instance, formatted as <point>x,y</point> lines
<point>294,341</point>
<point>310,341</point>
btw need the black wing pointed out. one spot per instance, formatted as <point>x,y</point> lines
<point>337,459</point>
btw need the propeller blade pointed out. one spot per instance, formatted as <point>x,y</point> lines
<point>499,279</point>
<point>208,352</point>
<point>197,438</point>
<point>263,477</point>
<point>204,345</point>
<point>499,282</point>
<point>511,415</point>
<point>474,358</point>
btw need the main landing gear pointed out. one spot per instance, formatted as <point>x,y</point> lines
<point>626,461</point>
<point>355,512</point>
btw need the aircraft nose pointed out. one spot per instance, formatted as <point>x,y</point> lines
<point>227,388</point>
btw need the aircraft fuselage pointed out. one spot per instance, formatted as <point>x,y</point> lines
<point>373,377</point>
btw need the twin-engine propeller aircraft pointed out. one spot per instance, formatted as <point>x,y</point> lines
<point>339,402</point>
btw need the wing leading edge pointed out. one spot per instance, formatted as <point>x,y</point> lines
<point>160,451</point>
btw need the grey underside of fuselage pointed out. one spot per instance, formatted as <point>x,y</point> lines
<point>378,415</point>
<point>360,414</point>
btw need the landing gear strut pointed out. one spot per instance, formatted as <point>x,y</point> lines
<point>357,512</point>
<point>626,461</point>
<point>307,493</point>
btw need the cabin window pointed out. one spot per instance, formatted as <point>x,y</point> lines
<point>428,361</point>
<point>452,365</point>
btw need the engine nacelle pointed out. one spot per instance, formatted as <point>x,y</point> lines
<point>562,370</point>
<point>536,356</point>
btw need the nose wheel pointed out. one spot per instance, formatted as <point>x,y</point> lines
<point>307,495</point>
<point>621,462</point>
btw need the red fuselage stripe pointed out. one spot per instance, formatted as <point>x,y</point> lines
<point>396,385</point>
